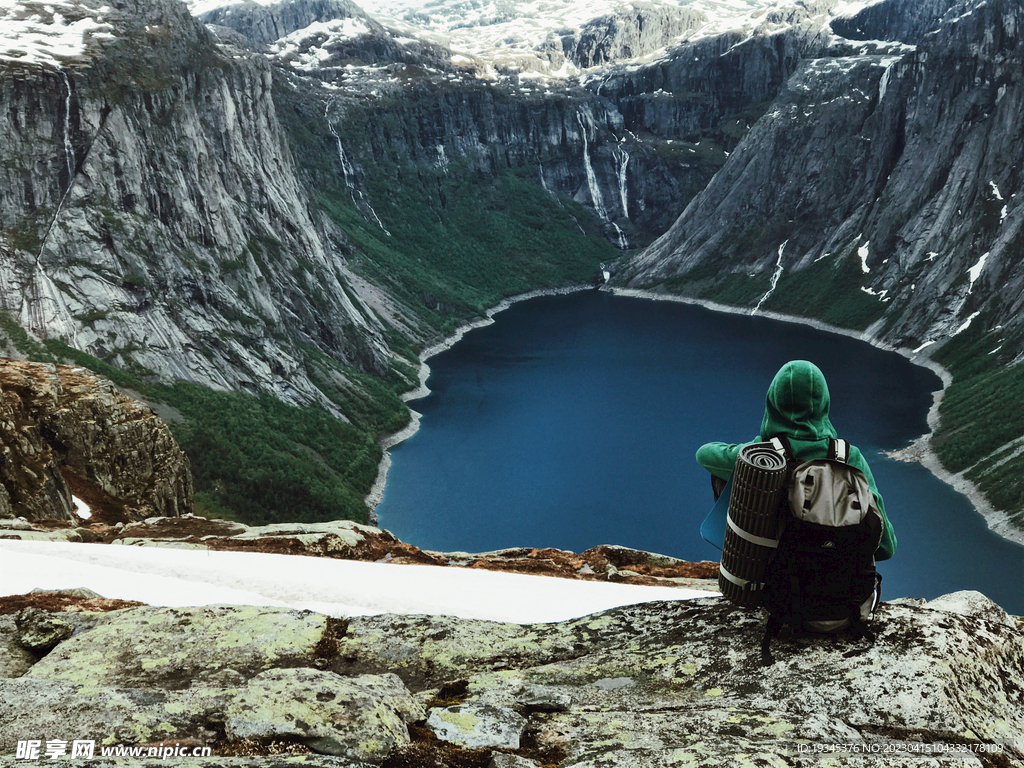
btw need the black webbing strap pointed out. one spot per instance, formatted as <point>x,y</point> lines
<point>860,629</point>
<point>771,631</point>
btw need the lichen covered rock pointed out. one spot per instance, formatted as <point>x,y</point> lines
<point>174,648</point>
<point>110,715</point>
<point>40,631</point>
<point>15,659</point>
<point>644,686</point>
<point>362,718</point>
<point>476,726</point>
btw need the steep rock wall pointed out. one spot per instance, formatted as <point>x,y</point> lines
<point>263,24</point>
<point>905,160</point>
<point>152,216</point>
<point>574,142</point>
<point>632,31</point>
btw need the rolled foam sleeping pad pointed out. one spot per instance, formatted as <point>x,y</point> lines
<point>752,526</point>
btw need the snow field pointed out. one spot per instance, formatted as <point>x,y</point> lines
<point>188,577</point>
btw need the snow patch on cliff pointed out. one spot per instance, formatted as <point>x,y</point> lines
<point>310,48</point>
<point>975,272</point>
<point>52,35</point>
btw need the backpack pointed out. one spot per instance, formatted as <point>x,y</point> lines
<point>822,576</point>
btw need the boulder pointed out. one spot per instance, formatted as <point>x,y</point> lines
<point>476,726</point>
<point>175,648</point>
<point>40,631</point>
<point>52,709</point>
<point>66,431</point>
<point>362,718</point>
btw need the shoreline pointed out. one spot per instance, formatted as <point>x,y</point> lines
<point>919,451</point>
<point>376,492</point>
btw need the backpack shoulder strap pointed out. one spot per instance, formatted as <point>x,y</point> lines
<point>839,450</point>
<point>781,443</point>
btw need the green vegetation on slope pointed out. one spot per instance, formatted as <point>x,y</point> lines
<point>257,459</point>
<point>982,427</point>
<point>459,243</point>
<point>263,461</point>
<point>828,290</point>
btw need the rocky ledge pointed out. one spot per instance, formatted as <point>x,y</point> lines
<point>658,684</point>
<point>64,432</point>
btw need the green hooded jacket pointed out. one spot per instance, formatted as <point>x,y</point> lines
<point>797,406</point>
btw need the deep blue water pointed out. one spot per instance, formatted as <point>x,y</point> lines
<point>573,421</point>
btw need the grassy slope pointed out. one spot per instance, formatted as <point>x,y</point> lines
<point>982,421</point>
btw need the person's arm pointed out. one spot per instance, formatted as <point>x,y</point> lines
<point>719,458</point>
<point>887,546</point>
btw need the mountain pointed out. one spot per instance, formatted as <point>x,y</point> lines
<point>260,214</point>
<point>878,192</point>
<point>889,151</point>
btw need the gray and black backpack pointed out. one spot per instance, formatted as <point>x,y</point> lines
<point>822,577</point>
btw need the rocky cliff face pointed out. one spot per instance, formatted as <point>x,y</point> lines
<point>263,24</point>
<point>886,172</point>
<point>152,216</point>
<point>632,31</point>
<point>64,432</point>
<point>569,142</point>
<point>659,684</point>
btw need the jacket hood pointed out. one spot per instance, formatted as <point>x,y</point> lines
<point>797,403</point>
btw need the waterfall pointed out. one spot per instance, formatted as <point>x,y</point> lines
<point>623,157</point>
<point>543,181</point>
<point>349,173</point>
<point>623,242</point>
<point>69,160</point>
<point>883,83</point>
<point>69,150</point>
<point>775,279</point>
<point>595,190</point>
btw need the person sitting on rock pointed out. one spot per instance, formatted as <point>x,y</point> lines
<point>797,408</point>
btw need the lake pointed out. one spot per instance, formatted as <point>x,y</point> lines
<point>573,421</point>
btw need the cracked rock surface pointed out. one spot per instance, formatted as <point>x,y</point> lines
<point>659,684</point>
